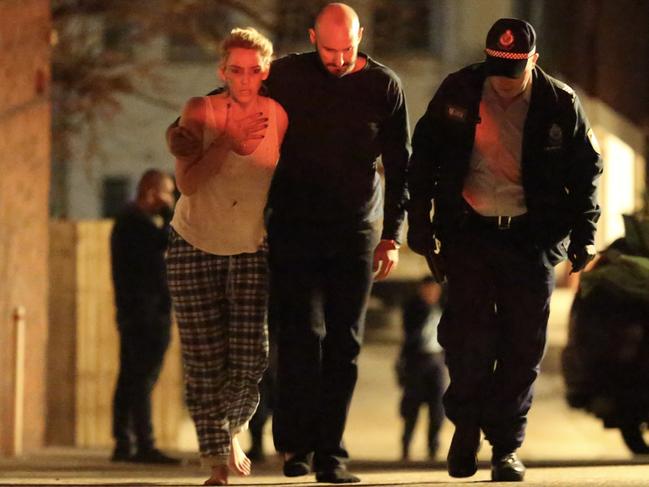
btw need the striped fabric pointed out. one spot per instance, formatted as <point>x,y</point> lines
<point>516,56</point>
<point>220,305</point>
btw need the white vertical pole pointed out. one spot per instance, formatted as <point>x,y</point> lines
<point>19,379</point>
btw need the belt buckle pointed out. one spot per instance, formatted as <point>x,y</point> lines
<point>504,222</point>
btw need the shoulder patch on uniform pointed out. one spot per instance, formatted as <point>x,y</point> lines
<point>593,141</point>
<point>456,113</point>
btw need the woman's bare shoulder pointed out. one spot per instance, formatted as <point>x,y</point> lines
<point>282,116</point>
<point>277,105</point>
<point>281,119</point>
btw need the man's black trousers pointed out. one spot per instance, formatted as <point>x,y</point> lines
<point>142,348</point>
<point>424,384</point>
<point>320,281</point>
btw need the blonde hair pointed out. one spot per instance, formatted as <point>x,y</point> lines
<point>247,38</point>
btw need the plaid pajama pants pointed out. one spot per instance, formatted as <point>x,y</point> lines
<point>220,305</point>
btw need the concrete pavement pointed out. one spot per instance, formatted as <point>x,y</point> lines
<point>563,446</point>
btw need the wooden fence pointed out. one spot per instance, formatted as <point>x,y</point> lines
<point>83,346</point>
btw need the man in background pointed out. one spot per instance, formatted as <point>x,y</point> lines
<point>420,367</point>
<point>138,242</point>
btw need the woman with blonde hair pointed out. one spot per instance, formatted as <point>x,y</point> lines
<point>216,261</point>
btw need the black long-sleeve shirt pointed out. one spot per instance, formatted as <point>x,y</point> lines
<point>338,128</point>
<point>138,267</point>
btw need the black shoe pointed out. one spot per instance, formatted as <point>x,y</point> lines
<point>121,454</point>
<point>462,460</point>
<point>405,453</point>
<point>337,475</point>
<point>507,468</point>
<point>256,453</point>
<point>153,455</point>
<point>298,465</point>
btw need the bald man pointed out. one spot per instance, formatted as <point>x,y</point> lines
<point>345,110</point>
<point>326,241</point>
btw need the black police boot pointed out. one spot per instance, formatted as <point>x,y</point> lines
<point>336,475</point>
<point>507,467</point>
<point>462,460</point>
<point>121,453</point>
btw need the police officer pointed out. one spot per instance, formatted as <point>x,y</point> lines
<point>420,367</point>
<point>507,156</point>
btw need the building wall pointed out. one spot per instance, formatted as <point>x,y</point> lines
<point>134,139</point>
<point>459,28</point>
<point>24,185</point>
<point>82,374</point>
<point>623,147</point>
<point>602,47</point>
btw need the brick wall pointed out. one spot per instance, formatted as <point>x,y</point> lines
<point>24,184</point>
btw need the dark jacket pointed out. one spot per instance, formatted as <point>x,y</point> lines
<point>138,269</point>
<point>560,163</point>
<point>420,352</point>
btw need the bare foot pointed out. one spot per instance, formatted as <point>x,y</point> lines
<point>219,476</point>
<point>239,463</point>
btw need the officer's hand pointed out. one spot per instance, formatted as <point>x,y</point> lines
<point>580,256</point>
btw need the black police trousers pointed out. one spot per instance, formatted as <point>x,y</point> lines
<point>320,281</point>
<point>493,328</point>
<point>142,348</point>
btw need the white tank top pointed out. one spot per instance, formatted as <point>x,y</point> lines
<point>225,215</point>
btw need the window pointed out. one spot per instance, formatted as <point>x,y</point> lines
<point>116,191</point>
<point>401,26</point>
<point>119,38</point>
<point>197,32</point>
<point>184,48</point>
<point>294,18</point>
